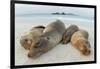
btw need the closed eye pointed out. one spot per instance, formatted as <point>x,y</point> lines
<point>26,40</point>
<point>37,44</point>
<point>48,38</point>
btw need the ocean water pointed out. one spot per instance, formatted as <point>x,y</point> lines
<point>39,17</point>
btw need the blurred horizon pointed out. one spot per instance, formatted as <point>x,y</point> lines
<point>25,9</point>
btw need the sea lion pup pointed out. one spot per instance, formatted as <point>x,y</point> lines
<point>80,41</point>
<point>31,37</point>
<point>51,36</point>
<point>68,33</point>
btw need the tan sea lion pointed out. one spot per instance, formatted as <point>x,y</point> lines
<point>31,37</point>
<point>51,36</point>
<point>80,41</point>
<point>68,33</point>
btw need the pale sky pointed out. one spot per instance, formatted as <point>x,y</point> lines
<point>29,9</point>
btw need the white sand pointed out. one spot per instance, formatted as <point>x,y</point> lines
<point>61,53</point>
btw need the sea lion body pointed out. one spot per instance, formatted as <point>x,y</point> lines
<point>80,41</point>
<point>68,33</point>
<point>54,31</point>
<point>51,36</point>
<point>31,37</point>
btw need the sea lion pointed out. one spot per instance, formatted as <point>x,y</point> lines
<point>31,37</point>
<point>68,33</point>
<point>51,36</point>
<point>80,41</point>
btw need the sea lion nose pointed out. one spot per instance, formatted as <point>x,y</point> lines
<point>87,52</point>
<point>30,55</point>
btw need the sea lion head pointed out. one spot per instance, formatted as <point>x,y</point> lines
<point>65,39</point>
<point>68,33</point>
<point>38,48</point>
<point>84,47</point>
<point>26,41</point>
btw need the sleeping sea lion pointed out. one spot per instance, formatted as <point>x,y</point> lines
<point>31,37</point>
<point>80,41</point>
<point>68,33</point>
<point>51,36</point>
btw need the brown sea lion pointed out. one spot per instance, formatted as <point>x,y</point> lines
<point>51,36</point>
<point>68,33</point>
<point>80,41</point>
<point>31,37</point>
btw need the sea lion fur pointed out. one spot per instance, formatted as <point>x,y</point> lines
<point>68,33</point>
<point>51,36</point>
<point>31,37</point>
<point>79,40</point>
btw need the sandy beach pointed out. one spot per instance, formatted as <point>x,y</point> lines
<point>61,53</point>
